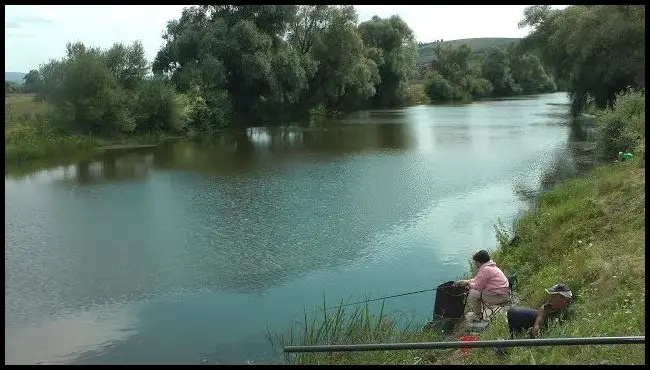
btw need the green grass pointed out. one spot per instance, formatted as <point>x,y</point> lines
<point>22,108</point>
<point>587,232</point>
<point>356,325</point>
<point>590,234</point>
<point>30,135</point>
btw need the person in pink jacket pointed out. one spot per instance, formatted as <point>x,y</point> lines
<point>490,285</point>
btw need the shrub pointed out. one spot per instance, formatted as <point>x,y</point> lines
<point>622,127</point>
<point>437,87</point>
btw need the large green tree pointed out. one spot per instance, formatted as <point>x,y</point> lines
<point>463,72</point>
<point>235,56</point>
<point>497,70</point>
<point>88,97</point>
<point>32,81</point>
<point>268,61</point>
<point>106,92</point>
<point>599,50</point>
<point>396,55</point>
<point>341,70</point>
<point>128,64</point>
<point>529,74</point>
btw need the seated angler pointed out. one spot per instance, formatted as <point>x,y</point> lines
<point>490,285</point>
<point>522,319</point>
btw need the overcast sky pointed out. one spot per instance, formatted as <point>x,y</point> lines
<point>36,33</point>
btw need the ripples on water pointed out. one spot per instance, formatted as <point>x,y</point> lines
<point>184,253</point>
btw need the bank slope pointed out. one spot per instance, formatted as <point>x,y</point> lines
<point>589,233</point>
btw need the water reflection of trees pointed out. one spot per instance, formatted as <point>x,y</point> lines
<point>235,152</point>
<point>257,231</point>
<point>112,166</point>
<point>577,158</point>
<point>234,233</point>
<point>452,126</point>
<point>263,148</point>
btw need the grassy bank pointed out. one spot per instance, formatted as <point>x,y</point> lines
<point>587,232</point>
<point>355,325</point>
<point>590,234</point>
<point>30,135</point>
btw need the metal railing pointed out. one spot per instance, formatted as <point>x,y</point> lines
<point>477,344</point>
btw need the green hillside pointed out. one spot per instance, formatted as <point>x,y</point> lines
<point>478,45</point>
<point>14,76</point>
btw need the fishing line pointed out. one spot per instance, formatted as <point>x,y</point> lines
<point>375,299</point>
<point>383,298</point>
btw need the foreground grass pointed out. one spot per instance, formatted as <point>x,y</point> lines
<point>29,134</point>
<point>356,325</point>
<point>588,233</point>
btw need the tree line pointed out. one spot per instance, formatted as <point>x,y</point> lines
<point>230,65</point>
<point>224,65</point>
<point>457,74</point>
<point>597,50</point>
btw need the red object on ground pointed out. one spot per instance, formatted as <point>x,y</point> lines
<point>468,338</point>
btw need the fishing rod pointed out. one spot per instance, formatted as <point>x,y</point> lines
<point>383,298</point>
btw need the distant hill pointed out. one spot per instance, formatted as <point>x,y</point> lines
<point>15,76</point>
<point>478,45</point>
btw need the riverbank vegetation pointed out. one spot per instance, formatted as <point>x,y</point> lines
<point>459,75</point>
<point>598,51</point>
<point>621,128</point>
<point>32,133</point>
<point>588,232</point>
<point>222,66</point>
<point>240,66</point>
<point>28,131</point>
<point>354,325</point>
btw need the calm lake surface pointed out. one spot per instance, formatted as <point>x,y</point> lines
<point>185,252</point>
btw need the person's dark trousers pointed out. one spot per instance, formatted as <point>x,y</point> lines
<point>519,320</point>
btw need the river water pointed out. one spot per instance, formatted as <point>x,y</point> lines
<point>187,252</point>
